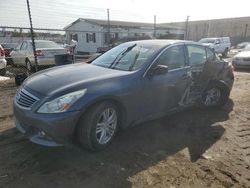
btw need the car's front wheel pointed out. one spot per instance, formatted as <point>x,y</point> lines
<point>215,95</point>
<point>2,72</point>
<point>98,126</point>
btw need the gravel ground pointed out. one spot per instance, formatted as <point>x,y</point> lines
<point>194,148</point>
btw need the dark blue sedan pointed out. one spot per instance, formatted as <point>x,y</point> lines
<point>131,83</point>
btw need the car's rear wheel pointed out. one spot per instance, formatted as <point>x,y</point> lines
<point>29,67</point>
<point>2,72</point>
<point>215,95</point>
<point>98,126</point>
<point>225,53</point>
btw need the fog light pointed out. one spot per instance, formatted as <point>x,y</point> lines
<point>41,134</point>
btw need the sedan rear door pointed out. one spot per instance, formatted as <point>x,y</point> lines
<point>204,65</point>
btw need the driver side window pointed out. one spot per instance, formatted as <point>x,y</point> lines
<point>173,57</point>
<point>19,46</point>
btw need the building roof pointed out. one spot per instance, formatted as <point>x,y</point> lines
<point>218,20</point>
<point>124,24</point>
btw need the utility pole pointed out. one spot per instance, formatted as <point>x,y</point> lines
<point>108,37</point>
<point>208,29</point>
<point>245,34</point>
<point>32,35</point>
<point>154,26</point>
<point>186,29</point>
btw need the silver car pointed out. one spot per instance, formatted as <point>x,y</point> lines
<point>23,55</point>
<point>242,59</point>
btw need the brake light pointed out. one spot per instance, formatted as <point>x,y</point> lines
<point>231,65</point>
<point>232,68</point>
<point>2,52</point>
<point>39,53</point>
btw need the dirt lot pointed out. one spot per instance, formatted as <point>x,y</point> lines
<point>194,148</point>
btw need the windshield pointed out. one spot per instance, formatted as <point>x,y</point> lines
<point>127,57</point>
<point>47,44</point>
<point>207,41</point>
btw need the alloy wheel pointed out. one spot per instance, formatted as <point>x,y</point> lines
<point>212,97</point>
<point>106,125</point>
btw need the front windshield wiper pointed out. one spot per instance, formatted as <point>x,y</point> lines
<point>135,59</point>
<point>120,55</point>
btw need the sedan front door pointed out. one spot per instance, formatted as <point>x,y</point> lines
<point>163,92</point>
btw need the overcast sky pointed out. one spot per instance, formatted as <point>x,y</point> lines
<point>59,13</point>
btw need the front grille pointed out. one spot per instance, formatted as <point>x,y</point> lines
<point>25,99</point>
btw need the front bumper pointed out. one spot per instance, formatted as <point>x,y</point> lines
<point>46,129</point>
<point>46,61</point>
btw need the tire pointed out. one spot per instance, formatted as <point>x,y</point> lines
<point>2,72</point>
<point>29,67</point>
<point>19,78</point>
<point>225,53</point>
<point>92,136</point>
<point>215,95</point>
<point>10,61</point>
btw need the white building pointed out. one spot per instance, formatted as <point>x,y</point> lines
<point>92,34</point>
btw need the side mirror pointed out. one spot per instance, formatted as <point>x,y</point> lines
<point>159,69</point>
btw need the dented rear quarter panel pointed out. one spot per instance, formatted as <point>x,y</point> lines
<point>217,70</point>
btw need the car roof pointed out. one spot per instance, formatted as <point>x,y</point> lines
<point>214,38</point>
<point>39,41</point>
<point>161,42</point>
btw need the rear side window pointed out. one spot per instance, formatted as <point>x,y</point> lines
<point>24,46</point>
<point>210,54</point>
<point>173,57</point>
<point>196,54</point>
<point>19,46</point>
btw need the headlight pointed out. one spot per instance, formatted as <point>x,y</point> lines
<point>62,103</point>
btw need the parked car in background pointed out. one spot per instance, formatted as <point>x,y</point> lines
<point>8,47</point>
<point>131,83</point>
<point>218,44</point>
<point>242,45</point>
<point>3,62</point>
<point>22,55</point>
<point>242,59</point>
<point>238,48</point>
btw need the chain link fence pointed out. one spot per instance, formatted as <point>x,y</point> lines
<point>60,47</point>
<point>37,37</point>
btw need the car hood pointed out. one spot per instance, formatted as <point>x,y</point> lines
<point>56,79</point>
<point>243,54</point>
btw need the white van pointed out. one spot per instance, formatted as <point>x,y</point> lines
<point>218,44</point>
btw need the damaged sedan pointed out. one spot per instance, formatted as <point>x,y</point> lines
<point>131,83</point>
